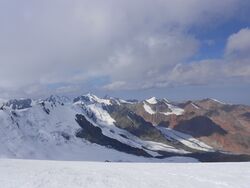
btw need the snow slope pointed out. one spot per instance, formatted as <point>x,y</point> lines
<point>52,174</point>
<point>174,109</point>
<point>185,139</point>
<point>33,134</point>
<point>148,109</point>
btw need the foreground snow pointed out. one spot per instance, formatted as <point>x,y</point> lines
<point>38,174</point>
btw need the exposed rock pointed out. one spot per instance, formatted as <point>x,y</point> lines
<point>94,135</point>
<point>19,104</point>
<point>200,126</point>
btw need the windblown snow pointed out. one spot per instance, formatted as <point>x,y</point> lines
<point>52,174</point>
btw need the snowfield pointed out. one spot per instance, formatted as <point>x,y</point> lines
<point>53,174</point>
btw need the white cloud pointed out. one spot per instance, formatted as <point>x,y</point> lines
<point>234,65</point>
<point>114,85</point>
<point>238,55</point>
<point>238,44</point>
<point>136,43</point>
<point>147,59</point>
<point>196,73</point>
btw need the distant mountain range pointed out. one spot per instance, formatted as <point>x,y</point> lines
<point>111,129</point>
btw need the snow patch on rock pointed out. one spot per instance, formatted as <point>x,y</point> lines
<point>152,100</point>
<point>174,110</point>
<point>148,109</point>
<point>185,139</point>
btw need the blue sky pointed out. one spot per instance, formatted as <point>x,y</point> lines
<point>218,36</point>
<point>175,49</point>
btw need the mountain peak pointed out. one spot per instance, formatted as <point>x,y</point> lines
<point>91,98</point>
<point>19,103</point>
<point>57,99</point>
<point>152,100</point>
<point>216,100</point>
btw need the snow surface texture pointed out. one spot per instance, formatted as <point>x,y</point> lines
<point>52,174</point>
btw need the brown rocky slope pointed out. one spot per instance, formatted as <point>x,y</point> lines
<point>225,127</point>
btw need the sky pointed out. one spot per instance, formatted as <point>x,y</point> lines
<point>176,49</point>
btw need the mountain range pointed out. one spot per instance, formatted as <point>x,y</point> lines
<point>112,129</point>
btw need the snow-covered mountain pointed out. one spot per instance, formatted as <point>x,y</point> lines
<point>100,129</point>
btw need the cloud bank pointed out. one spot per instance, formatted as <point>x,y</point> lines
<point>68,46</point>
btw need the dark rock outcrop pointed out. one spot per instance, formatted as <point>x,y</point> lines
<point>95,135</point>
<point>199,126</point>
<point>19,104</point>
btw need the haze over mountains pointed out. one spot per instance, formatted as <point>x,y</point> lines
<point>111,129</point>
